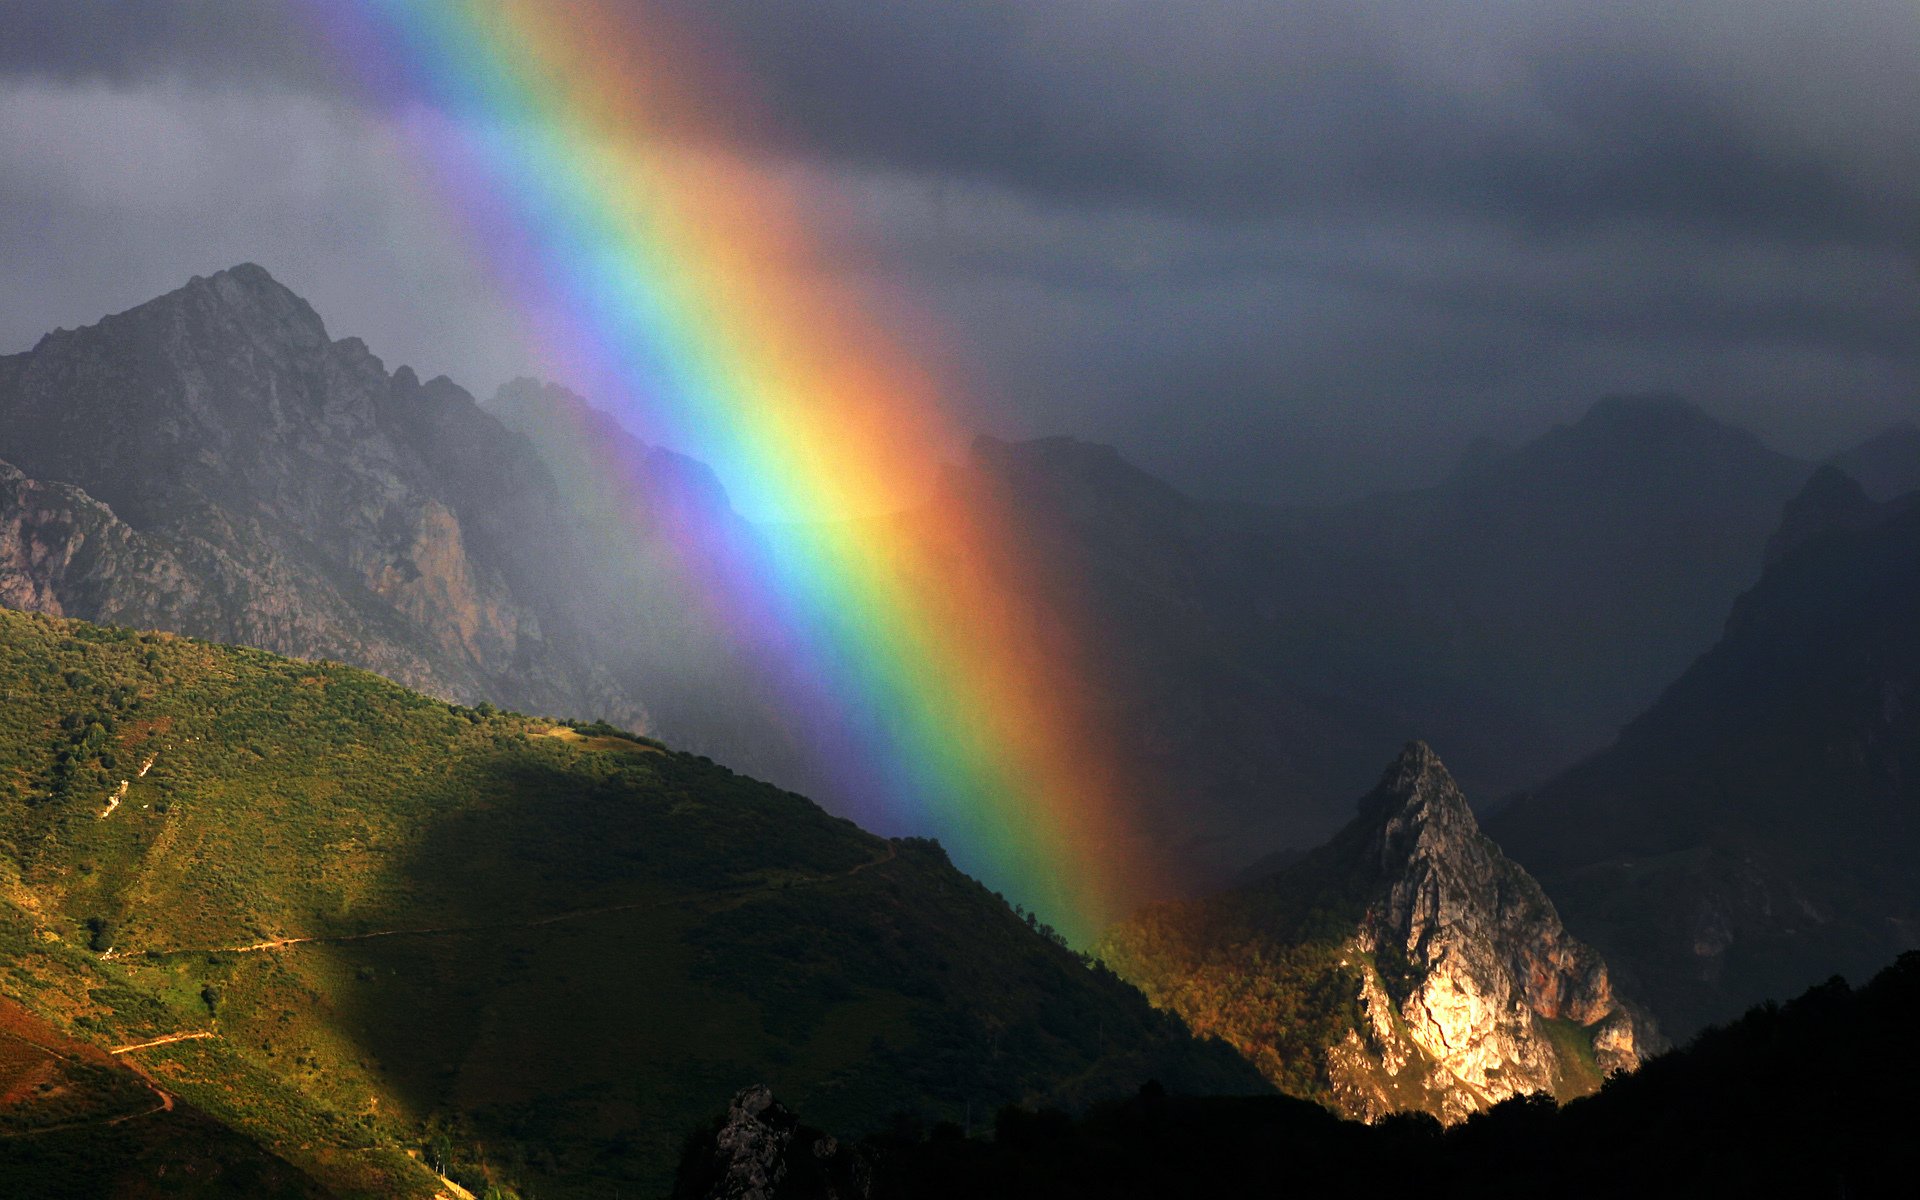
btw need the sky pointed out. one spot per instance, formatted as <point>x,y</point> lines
<point>1272,250</point>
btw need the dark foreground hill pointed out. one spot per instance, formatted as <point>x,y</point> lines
<point>1758,828</point>
<point>376,923</point>
<point>1807,1099</point>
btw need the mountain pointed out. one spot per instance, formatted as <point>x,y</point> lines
<point>648,521</point>
<point>213,463</point>
<point>1887,464</point>
<point>375,933</point>
<point>1757,827</point>
<point>1407,965</point>
<point>1256,665</point>
<point>1222,746</point>
<point>1808,1098</point>
<point>1531,605</point>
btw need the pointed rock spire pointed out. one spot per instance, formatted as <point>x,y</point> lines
<point>1466,986</point>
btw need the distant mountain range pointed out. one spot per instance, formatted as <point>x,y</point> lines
<point>1262,663</point>
<point>213,463</point>
<point>1758,827</point>
<point>258,482</point>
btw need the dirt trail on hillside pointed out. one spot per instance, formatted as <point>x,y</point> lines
<point>163,1098</point>
<point>890,853</point>
<point>165,1041</point>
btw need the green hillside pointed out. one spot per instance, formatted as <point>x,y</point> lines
<point>533,954</point>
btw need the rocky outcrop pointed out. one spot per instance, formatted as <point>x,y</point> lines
<point>63,552</point>
<point>760,1151</point>
<point>1415,965</point>
<point>213,463</point>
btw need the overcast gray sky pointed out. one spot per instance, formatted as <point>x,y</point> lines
<point>1270,249</point>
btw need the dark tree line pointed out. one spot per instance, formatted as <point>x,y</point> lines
<point>1810,1098</point>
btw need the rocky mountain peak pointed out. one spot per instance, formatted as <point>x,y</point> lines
<point>243,302</point>
<point>1465,987</point>
<point>1472,970</point>
<point>266,485</point>
<point>1655,429</point>
<point>1421,811</point>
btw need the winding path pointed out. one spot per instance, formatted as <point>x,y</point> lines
<point>163,1097</point>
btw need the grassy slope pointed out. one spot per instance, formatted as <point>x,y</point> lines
<point>1267,968</point>
<point>76,1121</point>
<point>752,937</point>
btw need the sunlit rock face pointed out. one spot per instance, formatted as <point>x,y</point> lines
<point>1406,965</point>
<point>1481,965</point>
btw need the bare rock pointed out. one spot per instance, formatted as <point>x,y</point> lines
<point>1407,965</point>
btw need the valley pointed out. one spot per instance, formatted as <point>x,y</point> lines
<point>1009,600</point>
<point>350,923</point>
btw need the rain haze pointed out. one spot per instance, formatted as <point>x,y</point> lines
<point>1270,251</point>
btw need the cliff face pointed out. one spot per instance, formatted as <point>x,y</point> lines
<point>1406,965</point>
<point>1485,988</point>
<point>61,550</point>
<point>212,462</point>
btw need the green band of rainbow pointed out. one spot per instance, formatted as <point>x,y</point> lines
<point>576,140</point>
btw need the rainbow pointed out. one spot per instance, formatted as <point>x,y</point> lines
<point>578,143</point>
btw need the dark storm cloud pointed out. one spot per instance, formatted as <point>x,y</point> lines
<point>1555,113</point>
<point>1268,247</point>
<point>1796,116</point>
<point>217,42</point>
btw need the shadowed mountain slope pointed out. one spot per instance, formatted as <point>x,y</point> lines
<point>1758,827</point>
<point>531,950</point>
<point>1538,600</point>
